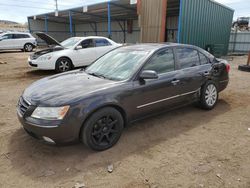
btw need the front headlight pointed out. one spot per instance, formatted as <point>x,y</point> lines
<point>45,57</point>
<point>50,113</point>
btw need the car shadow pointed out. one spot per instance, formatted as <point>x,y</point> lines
<point>38,73</point>
<point>38,160</point>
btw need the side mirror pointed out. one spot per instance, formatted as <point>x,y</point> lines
<point>78,47</point>
<point>148,74</point>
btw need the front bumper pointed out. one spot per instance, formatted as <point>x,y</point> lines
<point>43,65</point>
<point>58,132</point>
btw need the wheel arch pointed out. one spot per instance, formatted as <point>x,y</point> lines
<point>67,58</point>
<point>115,106</point>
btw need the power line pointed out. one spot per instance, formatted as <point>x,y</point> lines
<point>24,6</point>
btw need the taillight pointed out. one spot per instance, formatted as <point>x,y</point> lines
<point>227,68</point>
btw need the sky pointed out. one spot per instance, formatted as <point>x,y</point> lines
<point>18,10</point>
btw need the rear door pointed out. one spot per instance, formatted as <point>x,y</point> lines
<point>191,74</point>
<point>19,40</point>
<point>102,46</point>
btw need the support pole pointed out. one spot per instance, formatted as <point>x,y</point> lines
<point>29,25</point>
<point>179,24</point>
<point>109,21</point>
<point>70,24</point>
<point>46,24</point>
<point>248,61</point>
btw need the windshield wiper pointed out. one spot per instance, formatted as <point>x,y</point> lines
<point>96,75</point>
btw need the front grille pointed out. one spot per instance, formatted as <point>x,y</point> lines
<point>23,105</point>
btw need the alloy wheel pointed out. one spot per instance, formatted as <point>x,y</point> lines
<point>64,66</point>
<point>28,47</point>
<point>105,131</point>
<point>211,95</point>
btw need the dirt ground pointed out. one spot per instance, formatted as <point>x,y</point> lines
<point>188,147</point>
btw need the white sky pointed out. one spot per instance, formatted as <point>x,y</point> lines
<point>18,10</point>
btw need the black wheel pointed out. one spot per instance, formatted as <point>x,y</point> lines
<point>28,47</point>
<point>209,96</point>
<point>63,64</point>
<point>103,129</point>
<point>245,68</point>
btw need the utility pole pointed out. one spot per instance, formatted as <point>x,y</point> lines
<point>56,12</point>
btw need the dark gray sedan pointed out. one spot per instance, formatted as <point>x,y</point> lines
<point>123,86</point>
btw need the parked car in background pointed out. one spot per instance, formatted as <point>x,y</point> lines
<point>73,52</point>
<point>123,86</point>
<point>17,40</point>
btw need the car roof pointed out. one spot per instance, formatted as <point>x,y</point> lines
<point>12,32</point>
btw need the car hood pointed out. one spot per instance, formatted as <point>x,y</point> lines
<point>66,88</point>
<point>45,51</point>
<point>48,39</point>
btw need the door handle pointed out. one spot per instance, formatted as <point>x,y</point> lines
<point>174,82</point>
<point>206,73</point>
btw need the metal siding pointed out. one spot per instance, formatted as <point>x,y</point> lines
<point>239,42</point>
<point>204,22</point>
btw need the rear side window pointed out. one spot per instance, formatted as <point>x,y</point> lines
<point>162,62</point>
<point>21,36</point>
<point>203,59</point>
<point>101,42</point>
<point>187,57</point>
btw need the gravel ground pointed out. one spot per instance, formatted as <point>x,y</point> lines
<point>188,147</point>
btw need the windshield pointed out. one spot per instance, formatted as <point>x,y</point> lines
<point>70,42</point>
<point>119,64</point>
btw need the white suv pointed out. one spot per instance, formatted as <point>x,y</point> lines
<point>17,40</point>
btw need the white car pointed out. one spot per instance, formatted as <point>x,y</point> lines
<point>17,40</point>
<point>71,53</point>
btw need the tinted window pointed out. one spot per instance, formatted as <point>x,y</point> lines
<point>161,62</point>
<point>88,43</point>
<point>203,59</point>
<point>20,36</point>
<point>8,36</point>
<point>101,42</point>
<point>187,57</point>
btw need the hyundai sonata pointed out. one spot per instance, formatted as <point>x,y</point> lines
<point>123,86</point>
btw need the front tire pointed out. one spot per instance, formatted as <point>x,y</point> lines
<point>63,64</point>
<point>28,47</point>
<point>209,96</point>
<point>103,129</point>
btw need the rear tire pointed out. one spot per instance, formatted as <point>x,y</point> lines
<point>103,129</point>
<point>209,95</point>
<point>245,68</point>
<point>28,47</point>
<point>63,64</point>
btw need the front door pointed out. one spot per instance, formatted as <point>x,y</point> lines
<point>84,54</point>
<point>7,42</point>
<point>150,96</point>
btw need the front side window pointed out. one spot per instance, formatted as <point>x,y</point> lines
<point>7,36</point>
<point>88,43</point>
<point>119,64</point>
<point>102,42</point>
<point>187,57</point>
<point>162,62</point>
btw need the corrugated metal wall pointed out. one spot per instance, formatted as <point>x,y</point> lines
<point>61,31</point>
<point>239,42</point>
<point>117,33</point>
<point>152,19</point>
<point>204,22</point>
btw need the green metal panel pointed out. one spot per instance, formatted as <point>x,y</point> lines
<point>205,22</point>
